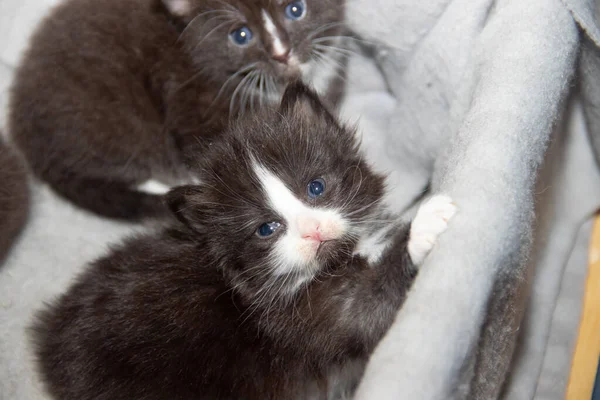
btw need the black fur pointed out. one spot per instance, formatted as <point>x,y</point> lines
<point>187,313</point>
<point>112,93</point>
<point>14,197</point>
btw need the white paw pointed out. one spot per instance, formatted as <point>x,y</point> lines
<point>152,186</point>
<point>431,220</point>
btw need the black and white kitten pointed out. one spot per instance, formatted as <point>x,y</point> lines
<point>112,95</point>
<point>282,277</point>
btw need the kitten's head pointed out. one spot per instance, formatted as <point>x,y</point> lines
<point>283,195</point>
<point>254,47</point>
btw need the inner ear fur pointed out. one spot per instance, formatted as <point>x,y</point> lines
<point>185,202</point>
<point>301,100</point>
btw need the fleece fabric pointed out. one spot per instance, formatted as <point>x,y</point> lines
<point>464,96</point>
<point>480,89</point>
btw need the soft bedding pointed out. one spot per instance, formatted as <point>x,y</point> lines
<point>469,93</point>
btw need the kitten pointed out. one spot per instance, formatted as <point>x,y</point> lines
<point>112,95</point>
<point>281,279</point>
<point>14,197</point>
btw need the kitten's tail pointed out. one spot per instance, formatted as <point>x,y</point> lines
<point>112,199</point>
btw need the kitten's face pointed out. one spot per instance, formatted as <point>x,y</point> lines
<point>255,47</point>
<point>284,196</point>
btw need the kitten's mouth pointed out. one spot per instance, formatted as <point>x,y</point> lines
<point>273,82</point>
<point>253,88</point>
<point>334,251</point>
<point>326,248</point>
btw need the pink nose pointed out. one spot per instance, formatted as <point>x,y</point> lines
<point>310,229</point>
<point>314,235</point>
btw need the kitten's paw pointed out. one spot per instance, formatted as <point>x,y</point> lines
<point>152,186</point>
<point>431,220</point>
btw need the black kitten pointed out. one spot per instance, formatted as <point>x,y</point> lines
<point>14,197</point>
<point>279,283</point>
<point>112,95</point>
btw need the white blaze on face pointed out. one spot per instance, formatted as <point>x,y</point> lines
<point>279,49</point>
<point>306,227</point>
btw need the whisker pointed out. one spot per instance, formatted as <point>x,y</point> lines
<point>246,68</point>
<point>331,38</point>
<point>253,89</point>
<point>229,6</point>
<point>197,17</point>
<point>247,91</point>
<point>191,79</point>
<point>359,39</point>
<point>274,297</point>
<point>261,296</point>
<point>229,21</point>
<point>261,88</point>
<point>335,49</point>
<point>327,62</point>
<point>233,194</point>
<point>332,61</point>
<point>371,220</point>
<point>324,28</point>
<point>239,87</point>
<point>273,89</point>
<point>371,204</point>
<point>239,284</point>
<point>357,186</point>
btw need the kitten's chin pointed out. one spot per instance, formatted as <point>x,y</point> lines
<point>307,71</point>
<point>289,72</point>
<point>289,75</point>
<point>333,252</point>
<point>326,248</point>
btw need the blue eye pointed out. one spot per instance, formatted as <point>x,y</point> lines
<point>267,229</point>
<point>241,36</point>
<point>316,188</point>
<point>295,10</point>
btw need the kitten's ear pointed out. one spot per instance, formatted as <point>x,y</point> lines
<point>178,8</point>
<point>299,99</point>
<point>185,202</point>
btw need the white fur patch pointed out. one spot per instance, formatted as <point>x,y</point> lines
<point>178,7</point>
<point>152,186</point>
<point>319,74</point>
<point>278,47</point>
<point>306,227</point>
<point>194,180</point>
<point>430,222</point>
<point>373,246</point>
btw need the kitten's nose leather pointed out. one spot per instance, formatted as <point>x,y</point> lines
<point>315,235</point>
<point>310,229</point>
<point>281,57</point>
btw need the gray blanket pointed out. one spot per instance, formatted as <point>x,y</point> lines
<point>468,94</point>
<point>480,88</point>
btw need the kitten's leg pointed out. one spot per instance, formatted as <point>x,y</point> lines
<point>430,222</point>
<point>383,286</point>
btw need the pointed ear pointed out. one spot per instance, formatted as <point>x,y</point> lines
<point>299,99</point>
<point>178,8</point>
<point>185,202</point>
